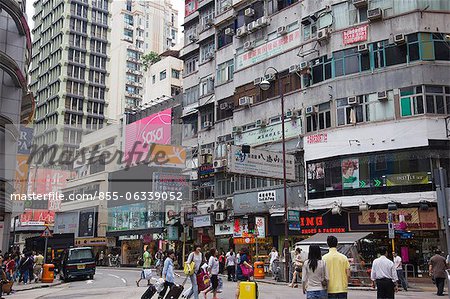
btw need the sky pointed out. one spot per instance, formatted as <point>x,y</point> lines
<point>178,4</point>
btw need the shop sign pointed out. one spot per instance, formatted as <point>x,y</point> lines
<point>267,196</point>
<point>174,156</point>
<point>225,228</point>
<point>268,49</point>
<point>270,133</point>
<point>129,238</point>
<point>168,182</point>
<point>25,140</point>
<point>240,228</point>
<point>317,138</point>
<point>202,221</point>
<point>312,223</point>
<point>250,240</point>
<point>355,35</point>
<point>294,226</point>
<point>100,241</point>
<point>206,171</point>
<point>293,215</point>
<point>172,233</point>
<point>37,217</point>
<point>66,223</point>
<point>21,176</point>
<point>260,223</point>
<point>417,178</point>
<point>260,163</point>
<point>414,219</point>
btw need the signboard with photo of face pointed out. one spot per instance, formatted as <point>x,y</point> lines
<point>350,173</point>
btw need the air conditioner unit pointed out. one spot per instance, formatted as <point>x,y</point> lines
<point>359,3</point>
<point>224,106</point>
<point>261,123</point>
<point>311,110</point>
<point>270,77</point>
<point>221,216</point>
<point>193,37</point>
<point>237,129</point>
<point>258,81</point>
<point>251,26</point>
<point>209,56</point>
<point>205,151</point>
<point>245,101</point>
<point>303,65</point>
<point>282,30</point>
<point>382,96</point>
<point>374,14</point>
<point>352,101</point>
<point>262,22</point>
<point>249,45</point>
<point>207,124</point>
<point>399,39</point>
<point>242,31</point>
<point>294,68</point>
<point>217,164</point>
<point>363,48</point>
<point>288,114</point>
<point>249,12</point>
<point>323,34</point>
<point>229,31</point>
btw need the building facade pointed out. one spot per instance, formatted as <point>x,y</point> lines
<point>70,70</point>
<point>365,88</point>
<point>16,102</point>
<point>137,28</point>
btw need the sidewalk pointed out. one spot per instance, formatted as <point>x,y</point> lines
<point>31,286</point>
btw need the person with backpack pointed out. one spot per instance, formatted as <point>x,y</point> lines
<point>315,275</point>
<point>213,269</point>
<point>26,263</point>
<point>195,259</point>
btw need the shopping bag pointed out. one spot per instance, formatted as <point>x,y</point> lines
<point>147,273</point>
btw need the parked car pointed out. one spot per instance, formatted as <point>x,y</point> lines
<point>77,262</point>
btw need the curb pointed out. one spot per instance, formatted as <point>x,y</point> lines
<point>38,286</point>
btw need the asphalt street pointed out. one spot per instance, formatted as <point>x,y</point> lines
<point>121,283</point>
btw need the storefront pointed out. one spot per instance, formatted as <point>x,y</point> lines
<point>204,231</point>
<point>224,235</point>
<point>416,234</point>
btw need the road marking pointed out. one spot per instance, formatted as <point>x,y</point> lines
<point>89,281</point>
<point>124,281</point>
<point>112,275</point>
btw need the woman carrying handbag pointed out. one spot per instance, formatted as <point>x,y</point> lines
<point>244,270</point>
<point>315,275</point>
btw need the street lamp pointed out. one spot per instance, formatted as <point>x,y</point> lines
<point>265,85</point>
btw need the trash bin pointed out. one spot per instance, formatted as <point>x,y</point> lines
<point>48,273</point>
<point>259,270</point>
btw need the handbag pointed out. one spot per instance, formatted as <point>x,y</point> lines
<point>147,273</point>
<point>246,271</point>
<point>324,280</point>
<point>203,281</point>
<point>189,268</point>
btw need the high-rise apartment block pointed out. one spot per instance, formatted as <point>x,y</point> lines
<point>137,28</point>
<point>70,69</point>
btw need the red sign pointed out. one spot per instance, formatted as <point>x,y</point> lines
<point>37,217</point>
<point>355,35</point>
<point>313,223</point>
<point>317,138</point>
<point>46,233</point>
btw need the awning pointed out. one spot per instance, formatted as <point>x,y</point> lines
<point>343,238</point>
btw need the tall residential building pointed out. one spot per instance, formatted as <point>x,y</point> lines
<point>137,28</point>
<point>16,102</point>
<point>69,69</point>
<point>367,107</point>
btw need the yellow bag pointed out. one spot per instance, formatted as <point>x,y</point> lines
<point>189,268</point>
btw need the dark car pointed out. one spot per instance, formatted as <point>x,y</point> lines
<point>77,262</point>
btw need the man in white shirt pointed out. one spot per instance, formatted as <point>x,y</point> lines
<point>399,268</point>
<point>385,275</point>
<point>231,265</point>
<point>273,255</point>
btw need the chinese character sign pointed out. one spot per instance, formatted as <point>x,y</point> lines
<point>355,35</point>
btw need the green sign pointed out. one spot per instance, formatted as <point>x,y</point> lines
<point>416,178</point>
<point>377,182</point>
<point>293,216</point>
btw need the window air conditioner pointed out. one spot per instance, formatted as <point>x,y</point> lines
<point>270,77</point>
<point>237,129</point>
<point>352,101</point>
<point>217,164</point>
<point>399,39</point>
<point>311,110</point>
<point>261,122</point>
<point>245,101</point>
<point>207,124</point>
<point>251,26</point>
<point>193,37</point>
<point>229,31</point>
<point>323,34</point>
<point>304,65</point>
<point>248,45</point>
<point>249,12</point>
<point>220,216</point>
<point>242,31</point>
<point>282,30</point>
<point>363,48</point>
<point>294,68</point>
<point>224,106</point>
<point>382,96</point>
<point>374,14</point>
<point>205,151</point>
<point>257,81</point>
<point>262,22</point>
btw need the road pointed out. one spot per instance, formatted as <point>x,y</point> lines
<point>121,283</point>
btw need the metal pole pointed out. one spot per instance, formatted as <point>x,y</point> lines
<point>441,185</point>
<point>45,250</point>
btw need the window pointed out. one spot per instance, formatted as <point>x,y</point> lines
<point>190,126</point>
<point>351,114</point>
<point>72,119</point>
<point>128,19</point>
<point>162,75</point>
<point>74,104</point>
<point>350,61</point>
<point>207,17</point>
<point>153,79</point>
<point>207,51</point>
<point>225,108</point>
<point>175,90</point>
<point>128,33</point>
<point>206,86</point>
<point>191,65</point>
<point>206,116</point>
<point>321,69</point>
<point>175,74</point>
<point>222,38</point>
<point>225,72</point>
<point>190,95</point>
<point>432,99</point>
<point>321,120</point>
<point>95,108</point>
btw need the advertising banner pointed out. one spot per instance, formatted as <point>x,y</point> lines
<point>268,49</point>
<point>355,35</point>
<point>260,163</point>
<point>155,128</point>
<point>260,225</point>
<point>87,223</point>
<point>350,173</point>
<point>37,217</point>
<point>413,217</point>
<point>225,228</point>
<point>270,133</point>
<point>417,178</point>
<point>66,223</point>
<point>202,221</point>
<point>172,233</point>
<point>21,178</point>
<point>130,217</point>
<point>174,156</point>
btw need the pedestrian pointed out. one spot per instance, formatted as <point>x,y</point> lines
<point>298,264</point>
<point>221,261</point>
<point>338,270</point>
<point>314,275</point>
<point>231,265</point>
<point>101,258</point>
<point>244,261</point>
<point>384,275</point>
<point>213,269</point>
<point>147,258</point>
<point>25,264</point>
<point>159,260</point>
<point>273,255</point>
<point>168,273</point>
<point>10,266</point>
<point>399,268</point>
<point>436,270</point>
<point>38,262</point>
<point>197,257</point>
